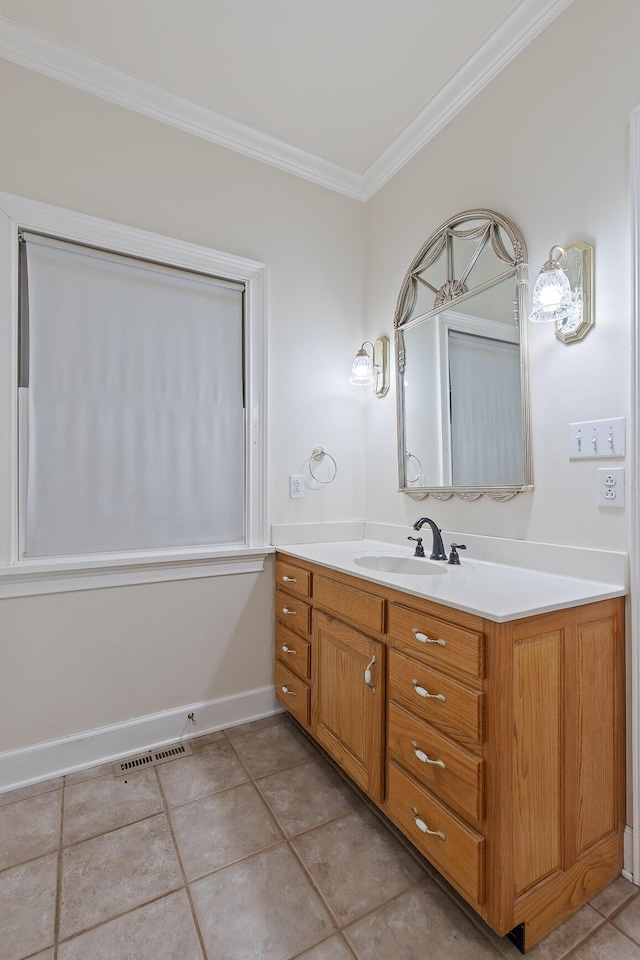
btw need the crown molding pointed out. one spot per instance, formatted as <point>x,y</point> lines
<point>518,30</point>
<point>58,60</point>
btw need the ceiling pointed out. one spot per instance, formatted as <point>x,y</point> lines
<point>347,89</point>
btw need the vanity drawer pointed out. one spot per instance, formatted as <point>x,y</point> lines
<point>294,613</point>
<point>443,702</point>
<point>363,608</point>
<point>294,652</point>
<point>436,642</point>
<point>293,579</point>
<point>456,850</point>
<point>293,693</point>
<point>443,766</point>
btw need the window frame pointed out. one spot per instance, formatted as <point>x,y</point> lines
<point>20,576</point>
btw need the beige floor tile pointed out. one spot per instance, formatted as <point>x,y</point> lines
<point>109,875</point>
<point>263,908</point>
<point>163,930</point>
<point>218,830</point>
<point>33,790</point>
<point>273,748</point>
<point>420,923</point>
<point>101,770</point>
<point>567,936</point>
<point>27,908</point>
<point>45,955</point>
<point>206,738</point>
<point>614,896</point>
<point>628,920</point>
<point>307,796</point>
<point>95,806</point>
<point>211,768</point>
<point>554,946</point>
<point>332,949</point>
<point>607,943</point>
<point>29,828</point>
<point>254,725</point>
<point>356,864</point>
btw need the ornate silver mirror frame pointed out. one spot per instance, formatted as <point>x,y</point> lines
<point>485,236</point>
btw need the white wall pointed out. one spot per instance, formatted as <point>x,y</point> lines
<point>75,661</point>
<point>545,144</point>
<point>553,159</point>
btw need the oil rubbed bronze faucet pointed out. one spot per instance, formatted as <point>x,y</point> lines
<point>437,549</point>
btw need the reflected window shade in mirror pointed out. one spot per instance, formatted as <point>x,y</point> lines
<point>462,364</point>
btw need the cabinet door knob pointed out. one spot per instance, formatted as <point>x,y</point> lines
<point>290,613</point>
<point>423,758</point>
<point>289,579</point>
<point>421,825</point>
<point>285,689</point>
<point>425,693</point>
<point>288,649</point>
<point>423,638</point>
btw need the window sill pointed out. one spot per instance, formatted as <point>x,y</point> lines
<point>65,574</point>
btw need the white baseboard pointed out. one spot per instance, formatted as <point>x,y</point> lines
<point>53,758</point>
<point>627,859</point>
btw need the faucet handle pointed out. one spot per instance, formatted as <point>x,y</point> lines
<point>419,548</point>
<point>453,556</point>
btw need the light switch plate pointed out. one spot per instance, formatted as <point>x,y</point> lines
<point>597,438</point>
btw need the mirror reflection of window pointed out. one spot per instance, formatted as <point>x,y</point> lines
<point>485,421</point>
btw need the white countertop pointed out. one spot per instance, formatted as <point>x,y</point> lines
<point>492,590</point>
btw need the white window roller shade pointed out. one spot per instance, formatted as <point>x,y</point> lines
<point>135,405</point>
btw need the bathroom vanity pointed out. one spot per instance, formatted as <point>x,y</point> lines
<point>495,743</point>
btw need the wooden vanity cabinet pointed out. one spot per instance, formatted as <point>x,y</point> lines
<point>496,748</point>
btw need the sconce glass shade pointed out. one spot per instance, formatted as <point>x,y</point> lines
<point>362,369</point>
<point>372,369</point>
<point>552,297</point>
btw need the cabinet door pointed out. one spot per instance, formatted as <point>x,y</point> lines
<point>349,701</point>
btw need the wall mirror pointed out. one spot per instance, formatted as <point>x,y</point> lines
<point>461,354</point>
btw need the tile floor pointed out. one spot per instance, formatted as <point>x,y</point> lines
<point>251,849</point>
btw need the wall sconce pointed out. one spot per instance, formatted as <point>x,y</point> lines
<point>563,293</point>
<point>372,368</point>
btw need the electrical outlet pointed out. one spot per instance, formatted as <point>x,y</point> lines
<point>611,487</point>
<point>296,486</point>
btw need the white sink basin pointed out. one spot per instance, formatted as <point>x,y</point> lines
<point>410,565</point>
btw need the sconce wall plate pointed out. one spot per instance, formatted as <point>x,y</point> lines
<point>580,267</point>
<point>381,366</point>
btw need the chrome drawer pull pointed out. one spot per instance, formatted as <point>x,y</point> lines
<point>289,579</point>
<point>423,638</point>
<point>421,825</point>
<point>290,613</point>
<point>286,690</point>
<point>288,649</point>
<point>425,693</point>
<point>423,758</point>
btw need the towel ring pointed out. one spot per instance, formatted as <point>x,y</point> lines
<point>318,454</point>
<point>412,456</point>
